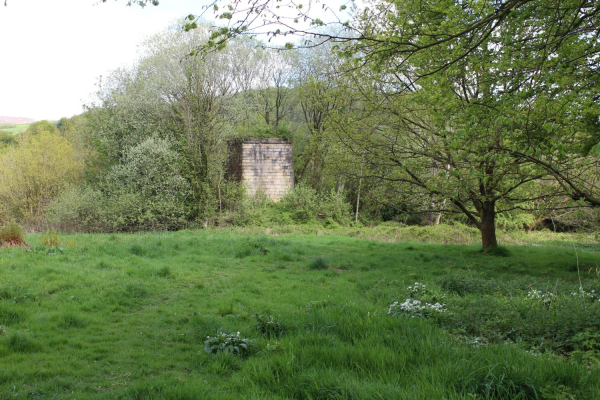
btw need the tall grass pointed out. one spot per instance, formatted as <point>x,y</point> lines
<point>126,316</point>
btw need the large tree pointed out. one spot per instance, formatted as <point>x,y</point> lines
<point>492,94</point>
<point>508,89</point>
<point>35,172</point>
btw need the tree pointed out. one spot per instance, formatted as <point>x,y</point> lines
<point>188,101</point>
<point>507,86</point>
<point>35,172</point>
<point>41,126</point>
<point>493,94</point>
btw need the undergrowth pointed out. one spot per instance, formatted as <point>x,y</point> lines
<point>12,235</point>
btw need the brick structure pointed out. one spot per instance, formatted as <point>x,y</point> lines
<point>263,165</point>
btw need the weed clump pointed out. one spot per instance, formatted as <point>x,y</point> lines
<point>319,262</point>
<point>269,326</point>
<point>163,272</point>
<point>20,343</point>
<point>12,235</point>
<point>259,246</point>
<point>231,343</point>
<point>137,250</point>
<point>497,252</point>
<point>51,239</point>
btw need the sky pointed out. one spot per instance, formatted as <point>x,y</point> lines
<point>53,52</point>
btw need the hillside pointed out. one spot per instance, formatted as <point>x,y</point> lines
<point>16,120</point>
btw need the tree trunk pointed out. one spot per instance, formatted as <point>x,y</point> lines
<point>340,185</point>
<point>430,213</point>
<point>438,218</point>
<point>488,225</point>
<point>358,196</point>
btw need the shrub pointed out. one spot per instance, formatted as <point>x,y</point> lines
<point>305,205</point>
<point>146,191</point>
<point>538,320</point>
<point>333,206</point>
<point>79,209</point>
<point>12,235</point>
<point>51,239</point>
<point>302,202</point>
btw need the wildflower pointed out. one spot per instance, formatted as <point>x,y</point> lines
<point>415,308</point>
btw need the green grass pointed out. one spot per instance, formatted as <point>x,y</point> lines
<point>17,128</point>
<point>126,316</point>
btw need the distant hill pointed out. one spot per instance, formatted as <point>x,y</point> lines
<point>16,120</point>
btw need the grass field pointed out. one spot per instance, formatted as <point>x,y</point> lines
<point>18,128</point>
<point>127,316</point>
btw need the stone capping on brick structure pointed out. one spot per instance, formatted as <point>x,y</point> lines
<point>263,165</point>
<point>264,141</point>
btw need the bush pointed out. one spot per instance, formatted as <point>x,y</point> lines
<point>7,139</point>
<point>51,239</point>
<point>302,202</point>
<point>79,209</point>
<point>305,205</point>
<point>12,235</point>
<point>145,192</point>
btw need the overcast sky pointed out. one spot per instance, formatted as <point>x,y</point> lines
<point>52,52</point>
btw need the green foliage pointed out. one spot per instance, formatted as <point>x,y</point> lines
<point>259,246</point>
<point>464,284</point>
<point>80,208</point>
<point>229,343</point>
<point>7,139</point>
<point>145,192</point>
<point>34,172</point>
<point>12,235</point>
<point>40,127</point>
<point>21,343</point>
<point>544,322</point>
<point>51,239</point>
<point>303,202</point>
<point>497,251</point>
<point>305,205</point>
<point>268,132</point>
<point>514,220</point>
<point>269,326</point>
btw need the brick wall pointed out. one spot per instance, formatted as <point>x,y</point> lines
<point>263,165</point>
